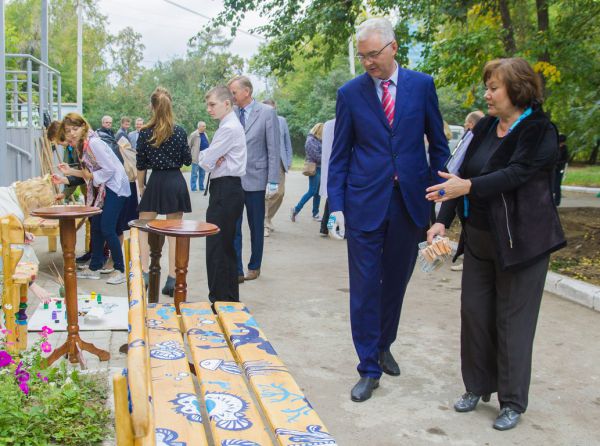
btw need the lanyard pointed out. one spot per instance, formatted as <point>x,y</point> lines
<point>526,113</point>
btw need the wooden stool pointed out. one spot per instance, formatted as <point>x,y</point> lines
<point>66,216</point>
<point>182,230</point>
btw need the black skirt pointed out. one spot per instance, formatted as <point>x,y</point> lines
<point>129,211</point>
<point>166,193</point>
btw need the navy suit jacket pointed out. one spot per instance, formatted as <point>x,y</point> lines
<point>367,152</point>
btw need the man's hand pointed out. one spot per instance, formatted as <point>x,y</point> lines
<point>436,229</point>
<point>271,189</point>
<point>336,225</point>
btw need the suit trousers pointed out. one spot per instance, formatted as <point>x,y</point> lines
<point>381,263</point>
<point>225,207</point>
<point>499,311</point>
<point>273,203</point>
<point>255,212</point>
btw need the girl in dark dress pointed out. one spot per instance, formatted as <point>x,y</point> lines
<point>162,147</point>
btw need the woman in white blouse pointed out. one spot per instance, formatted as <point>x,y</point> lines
<point>107,188</point>
<point>225,159</point>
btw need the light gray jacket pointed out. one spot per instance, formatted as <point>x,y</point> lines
<point>286,144</point>
<point>262,141</point>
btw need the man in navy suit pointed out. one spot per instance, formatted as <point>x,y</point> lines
<point>378,173</point>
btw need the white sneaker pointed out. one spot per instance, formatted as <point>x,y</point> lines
<point>267,232</point>
<point>317,217</point>
<point>87,273</point>
<point>458,267</point>
<point>106,269</point>
<point>116,278</point>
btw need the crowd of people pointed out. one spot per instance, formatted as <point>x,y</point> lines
<point>380,179</point>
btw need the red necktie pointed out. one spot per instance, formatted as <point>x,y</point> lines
<point>387,101</point>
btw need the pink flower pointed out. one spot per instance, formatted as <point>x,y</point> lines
<point>6,331</point>
<point>24,387</point>
<point>41,377</point>
<point>46,347</point>
<point>46,331</point>
<point>5,358</point>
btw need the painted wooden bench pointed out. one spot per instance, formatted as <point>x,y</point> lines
<point>249,395</point>
<point>17,276</point>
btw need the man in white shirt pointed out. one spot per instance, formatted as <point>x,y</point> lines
<point>225,159</point>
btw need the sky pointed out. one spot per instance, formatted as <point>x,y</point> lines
<point>166,28</point>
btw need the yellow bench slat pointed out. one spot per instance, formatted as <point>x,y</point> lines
<point>286,407</point>
<point>233,416</point>
<point>176,408</point>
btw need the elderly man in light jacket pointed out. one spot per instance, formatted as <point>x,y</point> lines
<point>273,202</point>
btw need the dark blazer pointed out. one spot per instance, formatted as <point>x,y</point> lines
<point>516,184</point>
<point>367,152</point>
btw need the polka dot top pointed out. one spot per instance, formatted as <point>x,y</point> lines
<point>173,153</point>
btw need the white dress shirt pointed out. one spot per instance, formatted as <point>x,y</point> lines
<point>326,147</point>
<point>111,171</point>
<point>229,141</point>
<point>391,87</point>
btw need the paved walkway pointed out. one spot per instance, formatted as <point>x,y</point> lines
<point>301,300</point>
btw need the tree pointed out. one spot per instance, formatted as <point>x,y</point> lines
<point>127,51</point>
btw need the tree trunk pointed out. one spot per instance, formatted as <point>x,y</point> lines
<point>543,20</point>
<point>594,155</point>
<point>509,35</point>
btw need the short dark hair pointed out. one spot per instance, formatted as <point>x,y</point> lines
<point>523,85</point>
<point>125,119</point>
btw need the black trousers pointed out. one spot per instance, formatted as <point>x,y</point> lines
<point>225,207</point>
<point>499,311</point>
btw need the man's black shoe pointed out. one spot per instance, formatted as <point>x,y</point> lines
<point>84,258</point>
<point>507,419</point>
<point>388,364</point>
<point>363,389</point>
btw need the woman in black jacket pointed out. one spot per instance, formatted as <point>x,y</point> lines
<point>503,196</point>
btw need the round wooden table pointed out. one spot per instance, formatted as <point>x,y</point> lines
<point>66,216</point>
<point>182,230</point>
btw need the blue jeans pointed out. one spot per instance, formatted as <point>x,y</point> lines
<point>104,229</point>
<point>255,211</point>
<point>314,183</point>
<point>197,175</point>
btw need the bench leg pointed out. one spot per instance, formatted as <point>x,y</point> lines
<point>52,243</point>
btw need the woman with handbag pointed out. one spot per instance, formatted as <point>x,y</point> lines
<point>107,188</point>
<point>312,169</point>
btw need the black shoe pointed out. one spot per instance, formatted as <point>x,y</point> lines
<point>84,258</point>
<point>363,389</point>
<point>468,402</point>
<point>507,419</point>
<point>169,288</point>
<point>389,364</point>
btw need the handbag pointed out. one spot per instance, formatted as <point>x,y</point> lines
<point>310,168</point>
<point>129,158</point>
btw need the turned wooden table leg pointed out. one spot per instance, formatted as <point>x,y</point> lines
<point>67,241</point>
<point>182,257</point>
<point>156,242</point>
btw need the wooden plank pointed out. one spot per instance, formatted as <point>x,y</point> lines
<point>233,415</point>
<point>138,364</point>
<point>176,407</point>
<point>289,412</point>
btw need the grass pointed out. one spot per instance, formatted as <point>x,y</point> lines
<point>297,162</point>
<point>582,176</point>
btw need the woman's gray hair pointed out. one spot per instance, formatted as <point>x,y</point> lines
<point>381,26</point>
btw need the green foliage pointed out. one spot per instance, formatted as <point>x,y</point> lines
<point>68,409</point>
<point>582,176</point>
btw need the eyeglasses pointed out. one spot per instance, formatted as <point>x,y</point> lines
<point>372,55</point>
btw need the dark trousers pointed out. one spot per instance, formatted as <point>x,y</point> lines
<point>380,265</point>
<point>255,212</point>
<point>225,207</point>
<point>499,311</point>
<point>325,219</point>
<point>104,229</point>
